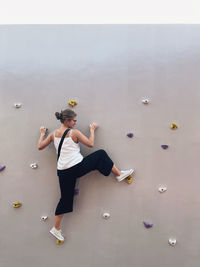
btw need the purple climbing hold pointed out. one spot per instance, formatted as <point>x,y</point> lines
<point>164,146</point>
<point>148,225</point>
<point>130,135</point>
<point>76,191</point>
<point>2,167</point>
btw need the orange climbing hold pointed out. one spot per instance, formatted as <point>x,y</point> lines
<point>174,126</point>
<point>17,204</point>
<point>129,179</point>
<point>59,242</point>
<point>72,103</point>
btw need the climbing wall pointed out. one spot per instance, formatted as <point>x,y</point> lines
<point>140,83</point>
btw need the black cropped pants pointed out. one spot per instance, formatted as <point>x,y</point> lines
<point>98,160</point>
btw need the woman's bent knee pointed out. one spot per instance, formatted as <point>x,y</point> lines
<point>102,152</point>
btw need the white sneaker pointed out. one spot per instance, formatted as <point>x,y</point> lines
<point>124,174</point>
<point>57,234</point>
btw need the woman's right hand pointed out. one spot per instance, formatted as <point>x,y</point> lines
<point>93,126</point>
<point>43,130</point>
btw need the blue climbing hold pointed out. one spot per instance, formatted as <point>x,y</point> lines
<point>2,167</point>
<point>148,225</point>
<point>164,146</point>
<point>130,135</point>
<point>76,191</point>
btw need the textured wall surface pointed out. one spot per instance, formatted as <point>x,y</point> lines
<point>108,69</point>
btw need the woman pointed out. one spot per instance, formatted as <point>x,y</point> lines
<point>71,164</point>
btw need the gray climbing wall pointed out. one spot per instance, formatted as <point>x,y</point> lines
<point>108,69</point>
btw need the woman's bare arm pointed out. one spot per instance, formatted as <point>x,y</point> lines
<point>44,143</point>
<point>83,139</point>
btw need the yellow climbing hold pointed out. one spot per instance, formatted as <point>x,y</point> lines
<point>59,242</point>
<point>174,126</point>
<point>17,204</point>
<point>72,103</point>
<point>129,179</point>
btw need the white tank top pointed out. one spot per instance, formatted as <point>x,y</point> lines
<point>70,152</point>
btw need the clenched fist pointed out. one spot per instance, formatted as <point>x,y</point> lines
<point>93,126</point>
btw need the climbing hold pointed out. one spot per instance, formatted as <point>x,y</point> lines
<point>17,204</point>
<point>164,146</point>
<point>34,165</point>
<point>172,241</point>
<point>129,179</point>
<point>72,103</point>
<point>130,135</point>
<point>148,225</point>
<point>76,191</point>
<point>2,167</point>
<point>106,215</point>
<point>18,105</point>
<point>174,126</point>
<point>145,101</point>
<point>43,218</point>
<point>59,242</point>
<point>162,189</point>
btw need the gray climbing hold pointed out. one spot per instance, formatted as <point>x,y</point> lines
<point>18,105</point>
<point>162,189</point>
<point>43,218</point>
<point>145,101</point>
<point>106,215</point>
<point>34,165</point>
<point>172,241</point>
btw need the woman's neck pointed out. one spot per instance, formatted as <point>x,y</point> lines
<point>64,127</point>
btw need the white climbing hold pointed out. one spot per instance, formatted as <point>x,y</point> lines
<point>162,189</point>
<point>43,218</point>
<point>18,105</point>
<point>145,101</point>
<point>34,165</point>
<point>172,241</point>
<point>106,215</point>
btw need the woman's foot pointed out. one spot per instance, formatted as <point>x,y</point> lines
<point>124,174</point>
<point>57,234</point>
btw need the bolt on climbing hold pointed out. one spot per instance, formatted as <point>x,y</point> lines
<point>148,225</point>
<point>59,242</point>
<point>145,101</point>
<point>17,204</point>
<point>72,103</point>
<point>2,167</point>
<point>164,146</point>
<point>162,189</point>
<point>173,126</point>
<point>76,191</point>
<point>172,241</point>
<point>106,215</point>
<point>130,135</point>
<point>43,218</point>
<point>34,165</point>
<point>129,179</point>
<point>18,105</point>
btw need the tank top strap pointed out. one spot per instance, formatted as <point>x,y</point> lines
<point>70,133</point>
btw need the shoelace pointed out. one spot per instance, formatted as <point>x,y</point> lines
<point>61,232</point>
